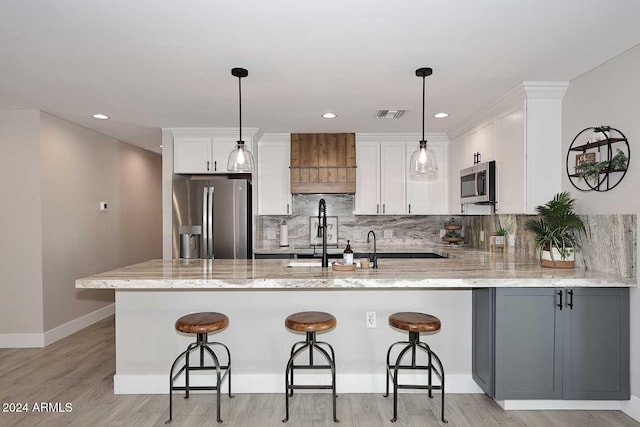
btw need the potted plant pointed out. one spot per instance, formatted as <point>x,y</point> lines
<point>555,231</point>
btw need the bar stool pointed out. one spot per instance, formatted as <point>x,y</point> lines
<point>414,323</point>
<point>310,322</point>
<point>201,324</point>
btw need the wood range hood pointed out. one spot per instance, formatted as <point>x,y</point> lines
<point>323,163</point>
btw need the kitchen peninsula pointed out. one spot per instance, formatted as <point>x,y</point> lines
<point>257,295</point>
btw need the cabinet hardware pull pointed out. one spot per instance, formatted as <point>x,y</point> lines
<point>215,165</point>
<point>409,207</point>
<point>479,157</point>
<point>378,208</point>
<point>560,305</point>
<point>287,208</point>
<point>384,208</point>
<point>208,164</point>
<point>570,302</point>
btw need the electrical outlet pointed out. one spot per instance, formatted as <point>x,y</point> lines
<point>370,319</point>
<point>511,239</point>
<point>388,234</point>
<point>357,234</point>
<point>482,236</point>
<point>271,234</point>
<point>442,233</point>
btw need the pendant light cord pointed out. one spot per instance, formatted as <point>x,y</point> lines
<point>240,108</point>
<point>423,79</point>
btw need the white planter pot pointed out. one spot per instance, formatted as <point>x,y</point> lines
<point>558,261</point>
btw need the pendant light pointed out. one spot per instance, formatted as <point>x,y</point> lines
<point>423,164</point>
<point>240,159</point>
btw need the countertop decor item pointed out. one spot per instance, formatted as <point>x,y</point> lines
<point>555,231</point>
<point>598,158</point>
<point>452,234</point>
<point>338,266</point>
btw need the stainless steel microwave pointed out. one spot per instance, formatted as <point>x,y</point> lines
<point>478,183</point>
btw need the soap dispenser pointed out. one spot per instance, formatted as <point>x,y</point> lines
<point>347,256</point>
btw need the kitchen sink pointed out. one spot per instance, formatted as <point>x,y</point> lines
<point>305,263</point>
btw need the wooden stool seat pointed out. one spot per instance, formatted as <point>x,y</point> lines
<point>202,323</point>
<point>310,321</point>
<point>414,322</point>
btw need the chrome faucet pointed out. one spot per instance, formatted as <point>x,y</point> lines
<point>375,250</point>
<point>322,230</point>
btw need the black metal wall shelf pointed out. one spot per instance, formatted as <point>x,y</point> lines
<point>597,167</point>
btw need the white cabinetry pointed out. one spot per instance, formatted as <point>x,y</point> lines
<point>510,163</point>
<point>204,151</point>
<point>522,133</point>
<point>429,197</point>
<point>458,156</point>
<point>382,180</point>
<point>273,158</point>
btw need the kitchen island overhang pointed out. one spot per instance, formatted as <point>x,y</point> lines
<point>257,295</point>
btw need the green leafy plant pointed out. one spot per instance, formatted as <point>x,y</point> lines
<point>452,233</point>
<point>619,161</point>
<point>602,128</point>
<point>557,226</point>
<point>501,232</point>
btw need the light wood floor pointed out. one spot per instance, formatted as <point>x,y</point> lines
<point>79,370</point>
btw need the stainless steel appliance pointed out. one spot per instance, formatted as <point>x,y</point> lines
<point>221,207</point>
<point>478,183</point>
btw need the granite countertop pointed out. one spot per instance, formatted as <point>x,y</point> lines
<point>464,269</point>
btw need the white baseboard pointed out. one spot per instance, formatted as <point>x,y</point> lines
<point>21,340</point>
<point>574,405</point>
<point>62,331</point>
<point>631,407</point>
<point>57,333</point>
<point>274,383</point>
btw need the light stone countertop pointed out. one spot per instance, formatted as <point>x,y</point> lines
<point>464,269</point>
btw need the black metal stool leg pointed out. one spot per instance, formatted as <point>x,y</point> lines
<point>310,344</point>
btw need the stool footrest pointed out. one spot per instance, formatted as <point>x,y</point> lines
<point>310,387</point>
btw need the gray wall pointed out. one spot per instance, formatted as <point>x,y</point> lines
<point>20,228</point>
<point>79,169</point>
<point>608,95</point>
<point>54,174</point>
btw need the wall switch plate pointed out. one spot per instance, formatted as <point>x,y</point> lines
<point>482,236</point>
<point>511,239</point>
<point>357,234</point>
<point>388,234</point>
<point>442,233</point>
<point>103,206</point>
<point>271,234</point>
<point>370,319</point>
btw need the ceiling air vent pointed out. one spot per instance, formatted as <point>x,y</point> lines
<point>389,114</point>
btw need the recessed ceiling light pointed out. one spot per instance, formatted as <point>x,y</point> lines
<point>441,115</point>
<point>329,116</point>
<point>100,116</point>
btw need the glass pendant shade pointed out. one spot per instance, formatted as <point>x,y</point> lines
<point>240,159</point>
<point>423,164</point>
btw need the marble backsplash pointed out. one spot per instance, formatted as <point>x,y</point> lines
<point>607,245</point>
<point>423,230</point>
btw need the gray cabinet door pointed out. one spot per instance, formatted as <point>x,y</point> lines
<point>483,344</point>
<point>596,344</point>
<point>528,344</point>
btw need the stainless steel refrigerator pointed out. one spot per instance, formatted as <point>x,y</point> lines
<point>214,217</point>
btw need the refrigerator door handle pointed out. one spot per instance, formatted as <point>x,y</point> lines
<point>205,225</point>
<point>210,224</point>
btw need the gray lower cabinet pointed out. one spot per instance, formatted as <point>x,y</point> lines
<point>551,343</point>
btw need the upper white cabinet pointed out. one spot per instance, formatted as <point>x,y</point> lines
<point>511,162</point>
<point>204,151</point>
<point>273,157</point>
<point>522,133</point>
<point>382,184</point>
<point>429,197</point>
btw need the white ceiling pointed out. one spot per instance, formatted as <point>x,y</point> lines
<point>166,63</point>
